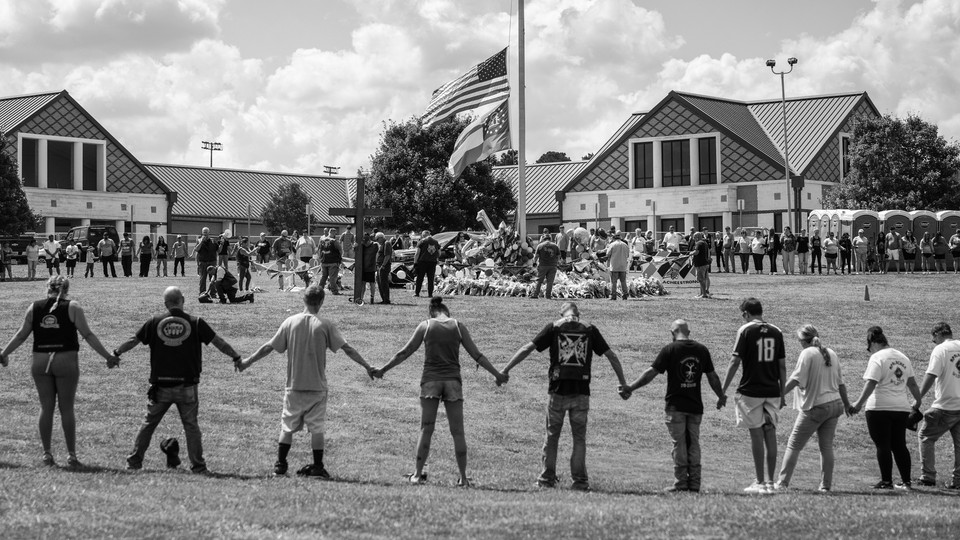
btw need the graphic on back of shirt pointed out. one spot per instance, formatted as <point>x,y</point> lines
<point>49,321</point>
<point>573,352</point>
<point>173,331</point>
<point>954,362</point>
<point>689,372</point>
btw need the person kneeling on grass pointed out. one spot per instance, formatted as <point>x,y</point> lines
<point>685,362</point>
<point>305,338</point>
<point>174,339</point>
<point>572,345</point>
<point>442,337</point>
<point>223,285</point>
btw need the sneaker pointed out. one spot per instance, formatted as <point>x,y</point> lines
<point>756,487</point>
<point>952,487</point>
<point>48,460</point>
<point>464,482</point>
<point>280,468</point>
<point>780,487</point>
<point>823,489</point>
<point>676,489</point>
<point>202,470</point>
<point>905,485</point>
<point>580,487</point>
<point>541,483</point>
<point>134,465</point>
<point>414,479</point>
<point>883,485</point>
<point>926,483</point>
<point>73,462</point>
<point>314,471</point>
<point>768,488</point>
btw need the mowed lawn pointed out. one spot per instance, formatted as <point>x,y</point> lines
<point>372,426</point>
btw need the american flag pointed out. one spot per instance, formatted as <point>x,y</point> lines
<point>484,84</point>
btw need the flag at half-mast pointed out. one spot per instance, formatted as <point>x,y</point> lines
<point>485,84</point>
<point>489,133</point>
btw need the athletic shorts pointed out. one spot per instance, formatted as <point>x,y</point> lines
<point>830,256</point>
<point>893,254</point>
<point>750,411</point>
<point>939,256</point>
<point>449,390</point>
<point>304,407</point>
<point>368,277</point>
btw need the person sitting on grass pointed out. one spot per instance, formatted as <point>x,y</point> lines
<point>55,323</point>
<point>305,338</point>
<point>442,337</point>
<point>572,345</point>
<point>223,285</point>
<point>685,362</point>
<point>174,339</point>
<point>759,347</point>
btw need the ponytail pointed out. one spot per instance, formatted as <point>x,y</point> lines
<point>809,334</point>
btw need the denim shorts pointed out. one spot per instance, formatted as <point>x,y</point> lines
<point>448,390</point>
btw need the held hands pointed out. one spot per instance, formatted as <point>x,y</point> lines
<point>854,409</point>
<point>112,362</point>
<point>241,365</point>
<point>502,378</point>
<point>624,392</point>
<point>721,402</point>
<point>375,373</point>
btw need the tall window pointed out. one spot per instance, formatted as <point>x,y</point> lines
<point>708,160</point>
<point>60,164</point>
<point>845,154</point>
<point>676,163</point>
<point>30,161</point>
<point>643,165</point>
<point>90,152</point>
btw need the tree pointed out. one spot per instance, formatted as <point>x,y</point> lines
<point>16,217</point>
<point>287,209</point>
<point>409,175</point>
<point>552,156</point>
<point>901,164</point>
<point>587,157</point>
<point>507,158</point>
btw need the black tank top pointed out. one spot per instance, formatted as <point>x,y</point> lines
<point>52,330</point>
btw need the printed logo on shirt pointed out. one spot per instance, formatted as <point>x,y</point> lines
<point>572,349</point>
<point>955,362</point>
<point>899,369</point>
<point>689,372</point>
<point>431,249</point>
<point>173,331</point>
<point>49,322</point>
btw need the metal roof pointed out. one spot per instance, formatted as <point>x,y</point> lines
<point>225,193</point>
<point>543,181</point>
<point>14,110</point>
<point>811,122</point>
<point>736,117</point>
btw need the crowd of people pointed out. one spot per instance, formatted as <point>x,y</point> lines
<point>891,396</point>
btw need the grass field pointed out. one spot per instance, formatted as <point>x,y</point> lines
<point>372,426</point>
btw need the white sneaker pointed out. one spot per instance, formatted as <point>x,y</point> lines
<point>779,487</point>
<point>756,487</point>
<point>768,489</point>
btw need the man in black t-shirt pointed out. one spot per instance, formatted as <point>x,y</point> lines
<point>546,258</point>
<point>572,345</point>
<point>759,347</point>
<point>174,339</point>
<point>701,263</point>
<point>263,249</point>
<point>685,362</point>
<point>425,262</point>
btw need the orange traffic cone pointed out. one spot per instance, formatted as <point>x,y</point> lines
<point>866,293</point>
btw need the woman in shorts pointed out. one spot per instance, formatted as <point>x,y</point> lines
<point>940,253</point>
<point>831,250</point>
<point>803,250</point>
<point>821,401</point>
<point>145,254</point>
<point>55,322</point>
<point>909,245</point>
<point>162,251</point>
<point>442,338</point>
<point>759,248</point>
<point>926,252</point>
<point>33,257</point>
<point>888,377</point>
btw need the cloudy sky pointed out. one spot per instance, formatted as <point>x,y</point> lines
<point>297,84</point>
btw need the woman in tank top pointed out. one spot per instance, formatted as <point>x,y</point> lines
<point>55,323</point>
<point>442,337</point>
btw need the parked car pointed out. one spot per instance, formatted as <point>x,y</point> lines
<point>402,270</point>
<point>89,235</point>
<point>19,246</point>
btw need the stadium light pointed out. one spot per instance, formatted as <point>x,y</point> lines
<point>786,146</point>
<point>212,147</point>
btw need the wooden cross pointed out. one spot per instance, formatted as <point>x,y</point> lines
<point>358,213</point>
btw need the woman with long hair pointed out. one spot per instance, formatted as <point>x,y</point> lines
<point>55,323</point>
<point>145,254</point>
<point>759,248</point>
<point>442,337</point>
<point>821,400</point>
<point>888,377</point>
<point>926,251</point>
<point>161,251</point>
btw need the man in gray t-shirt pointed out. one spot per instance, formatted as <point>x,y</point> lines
<point>546,257</point>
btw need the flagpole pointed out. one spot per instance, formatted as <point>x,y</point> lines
<point>521,112</point>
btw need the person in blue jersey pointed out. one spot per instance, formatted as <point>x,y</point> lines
<point>55,323</point>
<point>759,348</point>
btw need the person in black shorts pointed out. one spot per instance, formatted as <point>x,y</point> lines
<point>368,265</point>
<point>685,362</point>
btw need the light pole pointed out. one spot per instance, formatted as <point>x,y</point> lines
<point>331,170</point>
<point>786,147</point>
<point>212,146</point>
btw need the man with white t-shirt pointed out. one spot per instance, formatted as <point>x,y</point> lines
<point>672,240</point>
<point>943,373</point>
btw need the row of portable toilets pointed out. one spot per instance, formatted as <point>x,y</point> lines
<point>877,223</point>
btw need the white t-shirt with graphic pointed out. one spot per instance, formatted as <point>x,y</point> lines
<point>945,364</point>
<point>891,369</point>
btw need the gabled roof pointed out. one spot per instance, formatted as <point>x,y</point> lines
<point>225,193</point>
<point>15,110</point>
<point>622,133</point>
<point>543,180</point>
